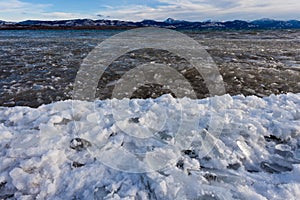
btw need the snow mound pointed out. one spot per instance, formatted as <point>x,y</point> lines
<point>83,150</point>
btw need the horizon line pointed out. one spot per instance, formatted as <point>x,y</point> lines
<point>178,20</point>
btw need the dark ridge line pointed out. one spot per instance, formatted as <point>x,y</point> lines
<point>85,24</point>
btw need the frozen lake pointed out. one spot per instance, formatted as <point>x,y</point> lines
<point>39,67</point>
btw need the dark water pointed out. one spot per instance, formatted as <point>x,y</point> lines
<point>39,67</point>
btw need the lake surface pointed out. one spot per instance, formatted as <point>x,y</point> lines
<point>39,66</point>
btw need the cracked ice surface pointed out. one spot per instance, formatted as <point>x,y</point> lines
<point>54,151</point>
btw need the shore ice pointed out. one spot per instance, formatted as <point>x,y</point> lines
<point>256,156</point>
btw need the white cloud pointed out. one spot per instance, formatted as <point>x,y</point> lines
<point>194,10</point>
<point>20,6</point>
<point>19,10</point>
<point>205,9</point>
<point>16,10</point>
<point>64,15</point>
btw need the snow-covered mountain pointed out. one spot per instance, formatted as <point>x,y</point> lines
<point>168,23</point>
<point>4,23</point>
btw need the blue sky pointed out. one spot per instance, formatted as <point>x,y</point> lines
<point>137,10</point>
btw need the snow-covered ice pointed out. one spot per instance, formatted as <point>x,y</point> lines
<point>75,150</point>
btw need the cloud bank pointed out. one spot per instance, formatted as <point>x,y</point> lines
<point>193,10</point>
<point>196,10</point>
<point>16,10</point>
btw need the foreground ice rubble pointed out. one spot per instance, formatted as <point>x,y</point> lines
<point>52,152</point>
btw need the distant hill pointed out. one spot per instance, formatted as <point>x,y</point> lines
<point>168,23</point>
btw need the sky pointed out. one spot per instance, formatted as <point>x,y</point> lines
<point>137,10</point>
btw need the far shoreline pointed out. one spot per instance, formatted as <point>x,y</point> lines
<point>7,28</point>
<point>88,24</point>
<point>67,28</point>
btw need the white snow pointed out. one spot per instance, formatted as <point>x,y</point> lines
<point>256,152</point>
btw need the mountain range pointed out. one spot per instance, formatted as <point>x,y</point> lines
<point>168,23</point>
